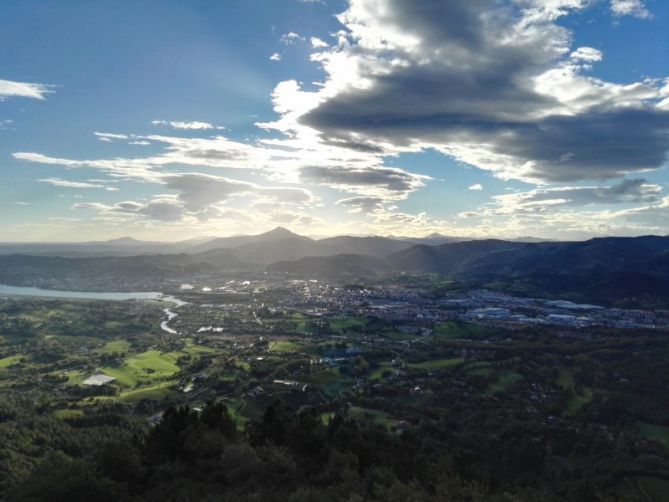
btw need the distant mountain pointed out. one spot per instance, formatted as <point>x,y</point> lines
<point>236,241</point>
<point>447,258</point>
<point>114,247</point>
<point>333,267</point>
<point>630,271</point>
<point>375,246</point>
<point>604,269</point>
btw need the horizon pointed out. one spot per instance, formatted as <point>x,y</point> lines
<point>436,235</point>
<point>180,120</point>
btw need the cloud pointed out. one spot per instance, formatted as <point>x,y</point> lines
<point>290,38</point>
<point>392,183</point>
<point>362,204</point>
<point>161,209</point>
<point>275,57</point>
<point>193,125</point>
<point>10,89</point>
<point>628,191</point>
<point>198,191</point>
<point>634,8</point>
<point>109,137</point>
<point>498,88</point>
<point>317,43</point>
<point>475,186</point>
<point>199,196</point>
<point>58,182</point>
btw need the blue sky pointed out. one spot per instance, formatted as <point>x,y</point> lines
<point>175,119</point>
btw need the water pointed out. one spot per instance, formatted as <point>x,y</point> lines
<point>91,295</point>
<point>85,295</point>
<point>165,324</point>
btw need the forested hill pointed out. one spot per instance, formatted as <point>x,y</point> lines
<point>293,456</point>
<point>612,270</point>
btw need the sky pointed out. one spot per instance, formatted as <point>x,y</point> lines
<point>177,119</point>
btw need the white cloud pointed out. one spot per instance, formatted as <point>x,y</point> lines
<point>475,186</point>
<point>192,125</point>
<point>58,182</point>
<point>317,43</point>
<point>10,89</point>
<point>109,137</point>
<point>290,38</point>
<point>501,89</point>
<point>275,57</point>
<point>634,8</point>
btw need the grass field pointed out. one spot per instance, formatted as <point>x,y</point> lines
<point>157,391</point>
<point>505,380</point>
<point>150,365</point>
<point>398,336</point>
<point>657,433</point>
<point>565,379</point>
<point>578,401</point>
<point>324,377</point>
<point>66,414</point>
<point>373,416</point>
<point>302,323</point>
<point>341,324</point>
<point>6,362</point>
<point>438,364</point>
<point>116,346</point>
<point>377,374</point>
<point>284,346</point>
<point>652,489</point>
<point>480,368</point>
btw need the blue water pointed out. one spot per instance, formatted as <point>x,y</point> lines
<point>82,295</point>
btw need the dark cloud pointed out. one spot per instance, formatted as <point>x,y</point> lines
<point>362,204</point>
<point>383,179</point>
<point>468,81</point>
<point>626,191</point>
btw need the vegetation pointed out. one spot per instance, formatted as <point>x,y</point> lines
<point>298,407</point>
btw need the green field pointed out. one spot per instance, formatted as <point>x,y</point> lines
<point>302,323</point>
<point>157,391</point>
<point>116,346</point>
<point>504,381</point>
<point>480,369</point>
<point>67,414</point>
<point>377,374</point>
<point>284,346</point>
<point>342,324</point>
<point>6,362</point>
<point>657,433</point>
<point>372,416</point>
<point>438,364</point>
<point>578,401</point>
<point>150,365</point>
<point>652,489</point>
<point>565,379</point>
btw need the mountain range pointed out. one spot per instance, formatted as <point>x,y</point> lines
<point>602,269</point>
<point>328,246</point>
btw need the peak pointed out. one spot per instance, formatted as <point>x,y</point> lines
<point>122,240</point>
<point>280,232</point>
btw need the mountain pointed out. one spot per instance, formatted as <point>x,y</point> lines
<point>629,271</point>
<point>606,270</point>
<point>236,241</point>
<point>115,247</point>
<point>375,246</point>
<point>333,267</point>
<point>447,258</point>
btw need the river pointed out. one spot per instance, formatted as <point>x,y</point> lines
<point>95,295</point>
